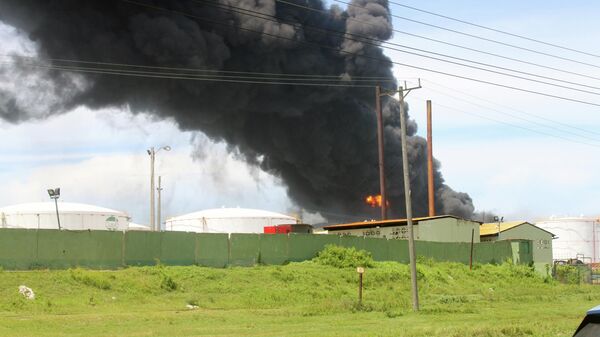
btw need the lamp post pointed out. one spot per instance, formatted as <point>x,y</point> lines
<point>152,153</point>
<point>55,194</point>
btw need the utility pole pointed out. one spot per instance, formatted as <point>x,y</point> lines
<point>159,189</point>
<point>380,146</point>
<point>430,186</point>
<point>152,154</point>
<point>403,92</point>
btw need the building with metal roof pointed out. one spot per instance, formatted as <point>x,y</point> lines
<point>73,216</point>
<point>441,228</point>
<point>541,239</point>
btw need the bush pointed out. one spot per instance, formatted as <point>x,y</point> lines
<point>568,274</point>
<point>342,257</point>
<point>167,283</point>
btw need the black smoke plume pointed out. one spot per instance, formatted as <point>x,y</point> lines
<point>321,141</point>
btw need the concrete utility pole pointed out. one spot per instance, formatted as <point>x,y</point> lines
<point>159,189</point>
<point>403,92</point>
<point>430,186</point>
<point>152,153</point>
<point>380,146</point>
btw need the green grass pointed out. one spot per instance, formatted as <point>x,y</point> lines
<point>298,299</point>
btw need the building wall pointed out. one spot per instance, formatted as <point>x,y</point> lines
<point>449,230</point>
<point>541,243</point>
<point>434,230</point>
<point>392,232</point>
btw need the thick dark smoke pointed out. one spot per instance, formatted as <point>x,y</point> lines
<point>320,141</point>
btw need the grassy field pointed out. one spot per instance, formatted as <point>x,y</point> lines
<point>299,299</point>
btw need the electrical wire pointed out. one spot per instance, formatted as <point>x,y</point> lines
<point>513,109</point>
<point>479,37</point>
<point>378,43</point>
<point>238,79</point>
<point>493,29</point>
<point>368,57</point>
<point>511,124</point>
<point>513,115</point>
<point>279,75</point>
<point>451,44</point>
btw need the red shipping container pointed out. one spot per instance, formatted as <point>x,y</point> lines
<point>270,230</point>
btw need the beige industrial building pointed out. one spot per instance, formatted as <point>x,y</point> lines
<point>541,240</point>
<point>442,228</point>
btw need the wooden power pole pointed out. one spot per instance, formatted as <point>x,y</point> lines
<point>430,186</point>
<point>380,147</point>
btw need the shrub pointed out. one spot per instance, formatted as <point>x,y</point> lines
<point>568,274</point>
<point>342,257</point>
<point>167,283</point>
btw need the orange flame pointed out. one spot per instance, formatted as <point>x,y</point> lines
<point>373,200</point>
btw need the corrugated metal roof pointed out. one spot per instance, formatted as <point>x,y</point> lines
<point>494,228</point>
<point>387,223</point>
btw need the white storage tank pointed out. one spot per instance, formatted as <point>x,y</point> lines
<point>577,238</point>
<point>228,220</point>
<point>73,216</point>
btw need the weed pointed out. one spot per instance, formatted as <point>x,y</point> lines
<point>167,283</point>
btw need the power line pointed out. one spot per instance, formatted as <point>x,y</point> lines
<point>284,75</point>
<point>368,57</point>
<point>378,42</point>
<point>493,29</point>
<point>514,109</point>
<point>479,37</point>
<point>514,116</point>
<point>451,44</point>
<point>512,125</point>
<point>193,78</point>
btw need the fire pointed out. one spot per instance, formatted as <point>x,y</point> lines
<point>373,200</point>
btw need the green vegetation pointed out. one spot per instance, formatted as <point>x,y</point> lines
<point>342,257</point>
<point>298,299</point>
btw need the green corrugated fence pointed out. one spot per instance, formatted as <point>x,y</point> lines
<point>22,249</point>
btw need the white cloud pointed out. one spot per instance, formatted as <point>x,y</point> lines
<point>99,157</point>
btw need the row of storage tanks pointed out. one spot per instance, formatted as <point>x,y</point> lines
<point>75,216</point>
<point>577,237</point>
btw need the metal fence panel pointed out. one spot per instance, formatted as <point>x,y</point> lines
<point>142,248</point>
<point>177,248</point>
<point>378,248</point>
<point>302,247</point>
<point>274,248</point>
<point>18,248</point>
<point>212,249</point>
<point>398,250</point>
<point>92,249</point>
<point>244,249</point>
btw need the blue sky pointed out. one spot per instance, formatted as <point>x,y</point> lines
<point>98,157</point>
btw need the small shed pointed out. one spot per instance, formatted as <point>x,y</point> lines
<point>522,230</point>
<point>441,228</point>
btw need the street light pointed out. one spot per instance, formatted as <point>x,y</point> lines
<point>152,153</point>
<point>55,194</point>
